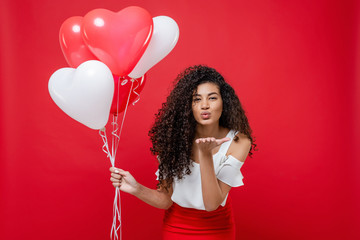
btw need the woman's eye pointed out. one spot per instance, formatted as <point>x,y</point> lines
<point>196,99</point>
<point>213,98</point>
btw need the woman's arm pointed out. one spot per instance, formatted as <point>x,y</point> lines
<point>214,191</point>
<point>159,198</point>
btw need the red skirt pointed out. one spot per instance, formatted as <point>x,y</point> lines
<point>191,224</point>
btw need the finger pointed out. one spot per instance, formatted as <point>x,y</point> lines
<point>117,176</point>
<point>115,180</point>
<point>221,141</point>
<point>114,170</point>
<point>123,172</point>
<point>116,184</point>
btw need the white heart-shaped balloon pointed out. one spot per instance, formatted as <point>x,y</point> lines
<point>163,40</point>
<point>85,93</point>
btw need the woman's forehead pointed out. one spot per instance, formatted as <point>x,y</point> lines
<point>206,88</point>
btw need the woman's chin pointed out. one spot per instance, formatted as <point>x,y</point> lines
<point>206,122</point>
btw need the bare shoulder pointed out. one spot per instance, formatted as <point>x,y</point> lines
<point>240,149</point>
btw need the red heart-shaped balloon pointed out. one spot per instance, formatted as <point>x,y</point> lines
<point>122,88</point>
<point>118,39</point>
<point>72,44</point>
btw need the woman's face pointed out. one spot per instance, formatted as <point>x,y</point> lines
<point>207,104</point>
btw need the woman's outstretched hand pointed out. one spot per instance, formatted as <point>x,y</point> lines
<point>123,180</point>
<point>205,145</point>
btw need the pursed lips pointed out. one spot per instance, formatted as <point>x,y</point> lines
<point>205,115</point>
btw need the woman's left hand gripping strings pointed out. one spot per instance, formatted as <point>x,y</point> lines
<point>123,180</point>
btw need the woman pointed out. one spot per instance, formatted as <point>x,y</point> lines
<point>201,137</point>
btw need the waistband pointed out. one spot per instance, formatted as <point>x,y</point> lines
<point>194,219</point>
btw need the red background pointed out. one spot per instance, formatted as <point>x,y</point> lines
<point>294,65</point>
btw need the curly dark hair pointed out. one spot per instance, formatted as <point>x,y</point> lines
<point>173,132</point>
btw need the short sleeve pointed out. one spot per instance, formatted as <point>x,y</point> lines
<point>157,174</point>
<point>229,171</point>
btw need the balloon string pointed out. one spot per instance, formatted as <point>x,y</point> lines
<point>118,96</point>
<point>105,147</point>
<point>138,95</point>
<point>116,225</point>
<point>115,116</point>
<point>123,119</point>
<point>115,137</point>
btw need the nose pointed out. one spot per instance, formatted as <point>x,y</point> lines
<point>204,104</point>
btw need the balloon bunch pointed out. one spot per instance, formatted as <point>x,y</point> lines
<point>109,54</point>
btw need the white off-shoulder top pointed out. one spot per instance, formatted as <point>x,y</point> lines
<point>187,191</point>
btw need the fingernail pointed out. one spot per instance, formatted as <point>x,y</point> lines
<point>116,171</point>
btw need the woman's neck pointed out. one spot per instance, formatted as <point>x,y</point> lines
<point>203,131</point>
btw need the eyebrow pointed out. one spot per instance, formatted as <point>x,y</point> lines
<point>212,93</point>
